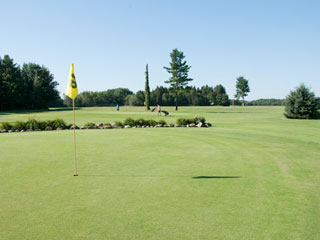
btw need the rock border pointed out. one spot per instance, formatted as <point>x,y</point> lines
<point>101,126</point>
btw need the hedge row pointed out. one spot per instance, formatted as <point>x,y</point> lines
<point>34,124</point>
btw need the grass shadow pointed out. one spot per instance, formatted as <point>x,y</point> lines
<point>206,177</point>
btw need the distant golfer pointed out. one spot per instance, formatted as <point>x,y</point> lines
<point>118,107</point>
<point>159,109</point>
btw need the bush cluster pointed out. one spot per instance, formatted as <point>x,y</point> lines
<point>187,121</point>
<point>139,122</point>
<point>34,124</point>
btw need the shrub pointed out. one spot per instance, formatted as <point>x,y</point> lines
<point>32,124</point>
<point>162,122</point>
<point>90,124</point>
<point>185,121</point>
<point>6,126</point>
<point>301,104</point>
<point>199,119</point>
<point>57,123</point>
<point>118,124</point>
<point>129,121</point>
<point>141,122</point>
<point>152,122</point>
<point>20,126</point>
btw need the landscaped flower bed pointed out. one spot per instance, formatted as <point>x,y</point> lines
<point>59,124</point>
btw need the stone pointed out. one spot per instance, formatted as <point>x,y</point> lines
<point>107,127</point>
<point>48,128</point>
<point>209,124</point>
<point>17,131</point>
<point>127,126</point>
<point>159,125</point>
<point>10,131</point>
<point>200,124</point>
<point>59,129</point>
<point>192,125</point>
<point>176,125</point>
<point>37,130</point>
<point>22,131</point>
<point>100,125</point>
<point>30,130</point>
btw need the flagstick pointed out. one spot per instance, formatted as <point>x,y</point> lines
<point>74,141</point>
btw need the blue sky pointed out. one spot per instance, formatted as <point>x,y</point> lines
<point>274,44</point>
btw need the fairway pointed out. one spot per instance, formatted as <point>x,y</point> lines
<point>253,175</point>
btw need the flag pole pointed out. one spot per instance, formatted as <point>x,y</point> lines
<point>74,141</point>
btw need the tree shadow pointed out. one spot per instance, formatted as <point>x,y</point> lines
<point>205,177</point>
<point>31,111</point>
<point>235,112</point>
<point>154,176</point>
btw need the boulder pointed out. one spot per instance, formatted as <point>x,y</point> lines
<point>192,125</point>
<point>30,130</point>
<point>83,127</point>
<point>176,125</point>
<point>200,124</point>
<point>48,128</point>
<point>209,124</point>
<point>10,131</point>
<point>100,125</point>
<point>22,131</point>
<point>59,129</point>
<point>127,126</point>
<point>107,127</point>
<point>37,130</point>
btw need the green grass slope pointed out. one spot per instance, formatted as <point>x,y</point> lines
<point>254,175</point>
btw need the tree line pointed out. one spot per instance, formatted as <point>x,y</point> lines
<point>28,87</point>
<point>203,96</point>
<point>32,86</point>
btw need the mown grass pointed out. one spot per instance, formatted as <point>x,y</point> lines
<point>254,175</point>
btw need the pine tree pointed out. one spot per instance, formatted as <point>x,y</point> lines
<point>301,104</point>
<point>179,70</point>
<point>147,89</point>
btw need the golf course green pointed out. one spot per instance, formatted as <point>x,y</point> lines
<point>253,175</point>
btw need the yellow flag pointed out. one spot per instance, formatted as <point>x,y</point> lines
<point>72,89</point>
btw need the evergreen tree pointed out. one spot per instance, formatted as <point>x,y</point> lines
<point>220,96</point>
<point>11,87</point>
<point>301,104</point>
<point>242,87</point>
<point>179,70</point>
<point>147,89</point>
<point>40,87</point>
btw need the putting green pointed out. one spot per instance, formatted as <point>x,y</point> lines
<point>254,175</point>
